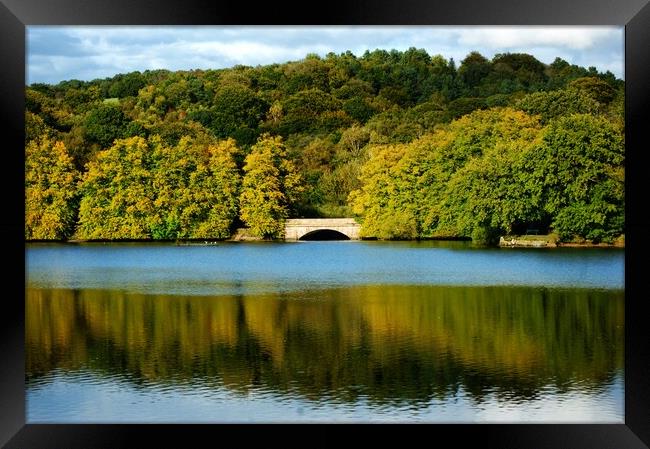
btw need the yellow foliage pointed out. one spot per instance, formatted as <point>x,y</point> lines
<point>50,191</point>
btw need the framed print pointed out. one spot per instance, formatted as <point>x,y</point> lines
<point>364,214</point>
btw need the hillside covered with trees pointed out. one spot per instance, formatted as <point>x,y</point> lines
<point>413,145</point>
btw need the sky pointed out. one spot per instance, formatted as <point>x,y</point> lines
<point>57,53</point>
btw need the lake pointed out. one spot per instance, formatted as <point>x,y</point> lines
<point>337,331</point>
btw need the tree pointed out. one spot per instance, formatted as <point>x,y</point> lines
<point>312,72</point>
<point>353,140</point>
<point>515,71</point>
<point>576,175</point>
<point>561,72</point>
<point>305,111</point>
<point>172,130</point>
<point>236,107</point>
<point>105,124</point>
<point>55,115</point>
<point>473,69</point>
<point>334,113</point>
<point>195,188</point>
<point>597,89</point>
<point>558,103</point>
<point>141,189</point>
<point>124,85</point>
<point>462,180</point>
<point>385,198</point>
<point>487,196</point>
<point>215,199</point>
<point>269,187</point>
<point>117,199</point>
<point>50,191</point>
<point>35,127</point>
<point>83,99</point>
<point>359,108</point>
<point>394,126</point>
<point>336,185</point>
<point>463,106</point>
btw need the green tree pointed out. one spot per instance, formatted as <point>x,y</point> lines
<point>310,73</point>
<point>83,99</point>
<point>330,111</point>
<point>352,142</point>
<point>359,109</point>
<point>117,200</point>
<point>196,190</point>
<point>385,200</point>
<point>577,176</point>
<point>459,181</point>
<point>269,187</point>
<point>105,124</point>
<point>473,69</point>
<point>561,72</point>
<point>462,106</point>
<point>53,112</point>
<point>170,167</point>
<point>599,90</point>
<point>514,71</point>
<point>50,191</point>
<point>307,111</point>
<point>558,103</point>
<point>235,110</point>
<point>126,85</point>
<point>141,189</point>
<point>215,199</point>
<point>488,195</point>
<point>336,185</point>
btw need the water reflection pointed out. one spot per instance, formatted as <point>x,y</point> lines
<point>381,345</point>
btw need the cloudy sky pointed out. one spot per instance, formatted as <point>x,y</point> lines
<point>56,53</point>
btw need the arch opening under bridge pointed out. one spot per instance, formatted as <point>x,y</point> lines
<point>324,234</point>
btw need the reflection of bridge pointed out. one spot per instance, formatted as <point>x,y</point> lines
<point>321,229</point>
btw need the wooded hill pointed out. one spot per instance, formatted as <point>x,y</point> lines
<point>411,144</point>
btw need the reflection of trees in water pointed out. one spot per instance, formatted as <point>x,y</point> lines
<point>385,343</point>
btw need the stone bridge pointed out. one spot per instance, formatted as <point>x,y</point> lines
<point>321,229</point>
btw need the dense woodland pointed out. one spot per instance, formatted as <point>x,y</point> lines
<point>413,145</point>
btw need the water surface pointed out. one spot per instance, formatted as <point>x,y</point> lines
<point>323,331</point>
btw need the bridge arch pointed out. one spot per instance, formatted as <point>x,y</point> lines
<point>324,234</point>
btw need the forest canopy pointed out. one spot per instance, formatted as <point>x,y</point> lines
<point>413,145</point>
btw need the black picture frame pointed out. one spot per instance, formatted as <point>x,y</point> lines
<point>15,15</point>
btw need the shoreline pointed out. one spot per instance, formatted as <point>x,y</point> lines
<point>544,241</point>
<point>503,243</point>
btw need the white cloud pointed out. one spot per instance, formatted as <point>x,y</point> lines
<point>245,52</point>
<point>575,38</point>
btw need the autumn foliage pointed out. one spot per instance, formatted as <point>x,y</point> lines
<point>408,143</point>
